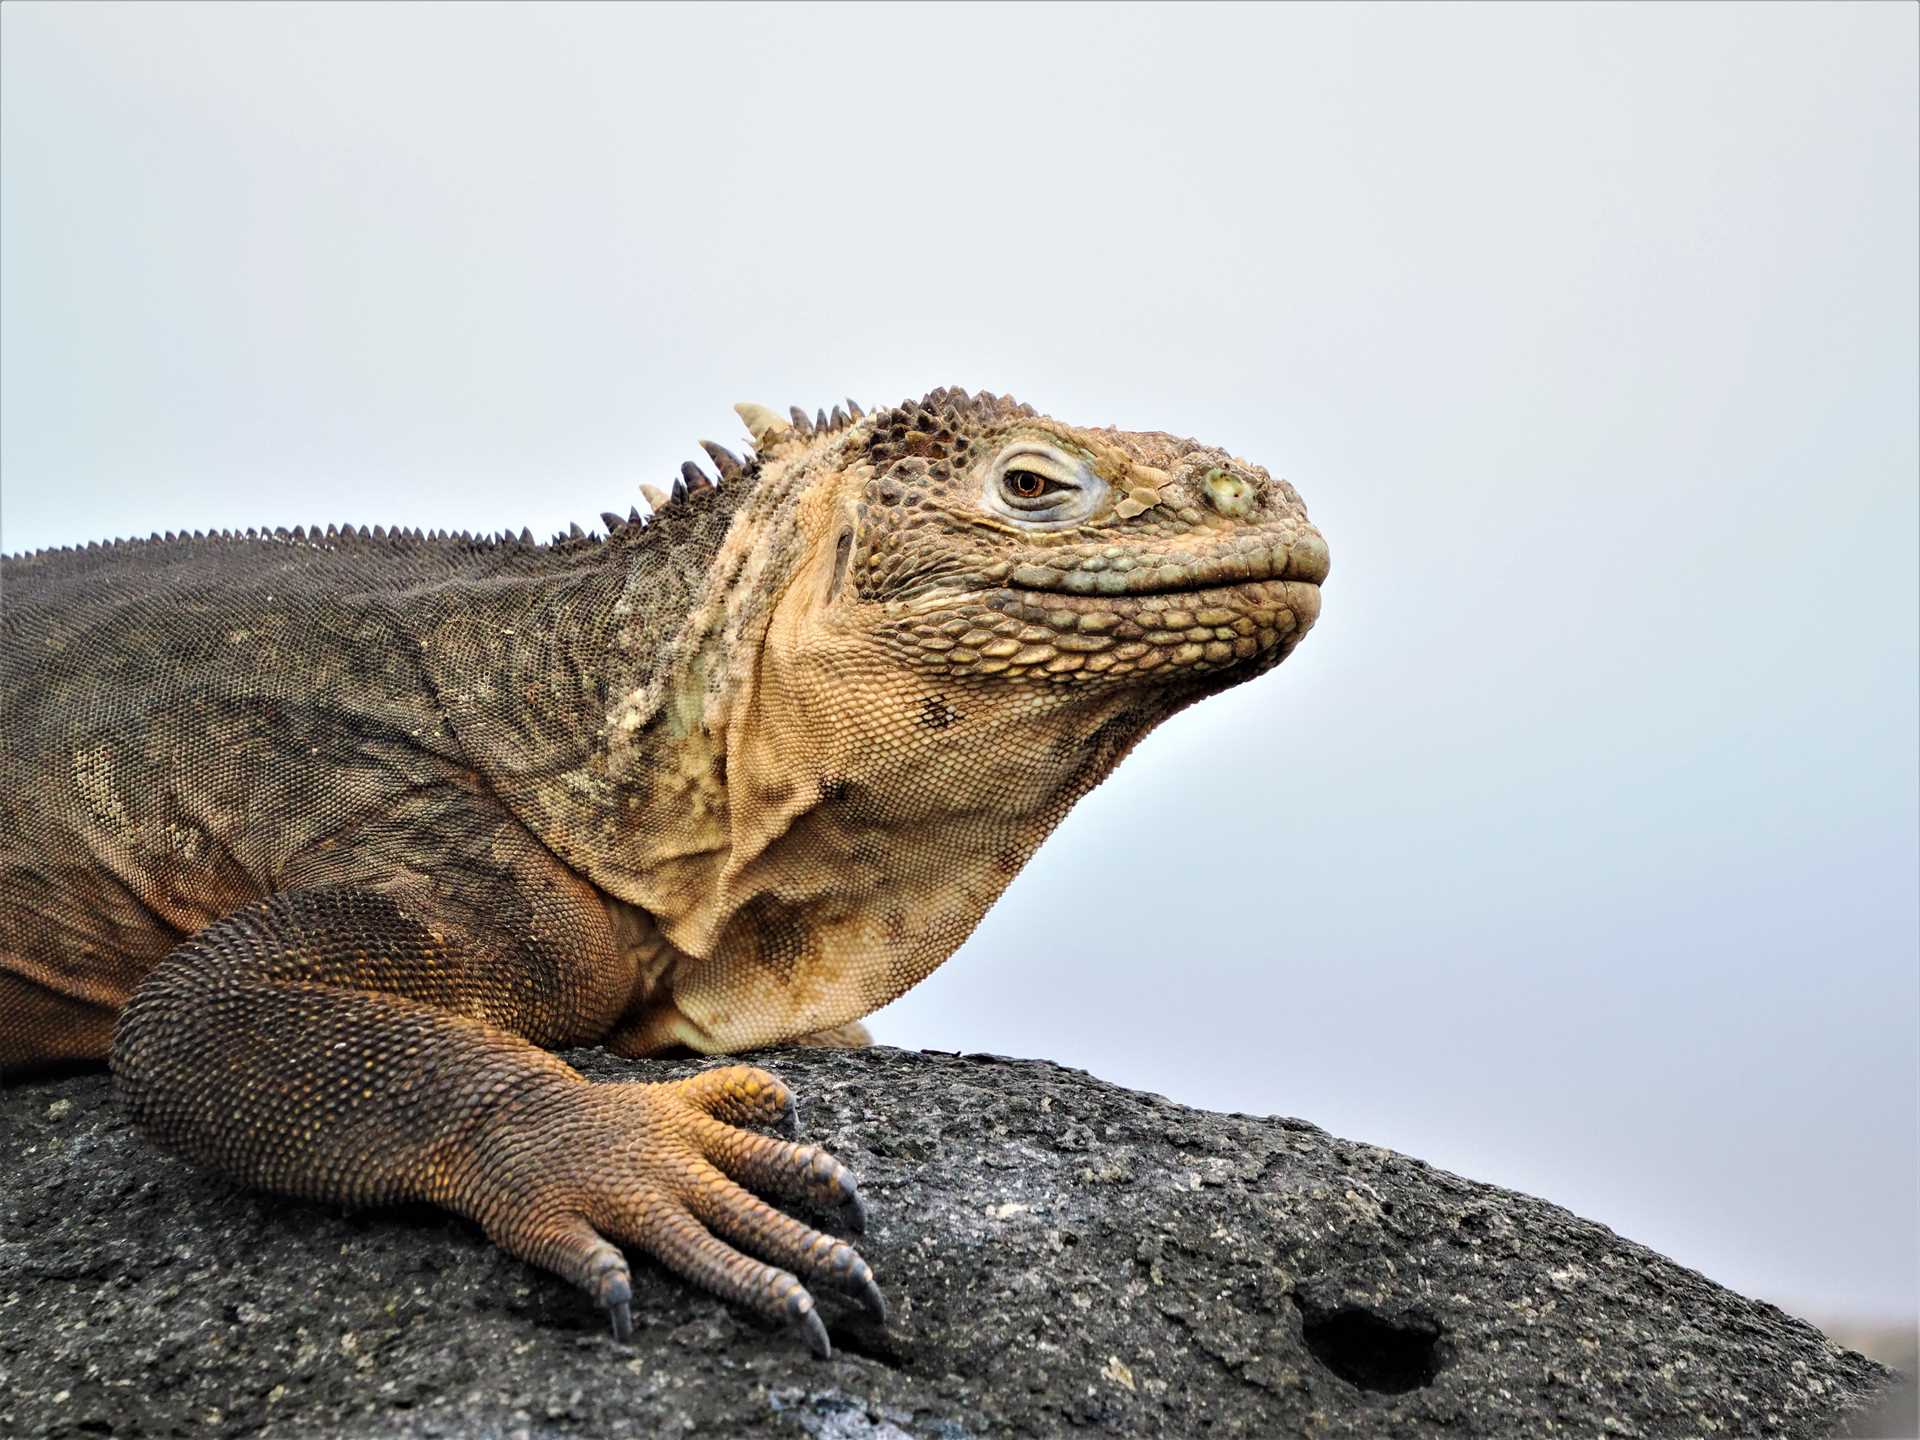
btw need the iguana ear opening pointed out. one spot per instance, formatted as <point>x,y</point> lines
<point>842,557</point>
<point>846,539</point>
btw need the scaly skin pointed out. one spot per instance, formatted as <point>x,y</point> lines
<point>324,839</point>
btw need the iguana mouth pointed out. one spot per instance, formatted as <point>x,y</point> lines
<point>1118,571</point>
<point>1062,636</point>
<point>1083,613</point>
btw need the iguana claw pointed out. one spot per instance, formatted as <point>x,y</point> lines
<point>855,1209</point>
<point>814,1331</point>
<point>609,1282</point>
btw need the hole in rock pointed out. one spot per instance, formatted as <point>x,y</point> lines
<point>1369,1350</point>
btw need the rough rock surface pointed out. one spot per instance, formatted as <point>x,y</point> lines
<point>1061,1254</point>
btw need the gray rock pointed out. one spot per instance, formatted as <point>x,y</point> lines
<point>1061,1254</point>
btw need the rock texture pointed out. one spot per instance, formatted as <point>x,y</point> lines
<point>1062,1255</point>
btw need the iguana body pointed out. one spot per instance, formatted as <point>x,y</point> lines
<point>323,836</point>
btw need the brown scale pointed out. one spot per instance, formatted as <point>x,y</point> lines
<point>326,836</point>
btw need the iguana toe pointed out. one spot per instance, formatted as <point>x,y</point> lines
<point>749,1222</point>
<point>742,1095</point>
<point>784,1169</point>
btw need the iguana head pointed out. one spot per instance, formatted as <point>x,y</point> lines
<point>975,542</point>
<point>923,635</point>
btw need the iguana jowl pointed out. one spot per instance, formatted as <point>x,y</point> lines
<point>324,836</point>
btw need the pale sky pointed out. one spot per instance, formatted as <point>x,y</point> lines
<point>1577,848</point>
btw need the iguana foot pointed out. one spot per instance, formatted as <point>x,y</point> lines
<point>567,1178</point>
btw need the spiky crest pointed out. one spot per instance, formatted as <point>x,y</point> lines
<point>940,410</point>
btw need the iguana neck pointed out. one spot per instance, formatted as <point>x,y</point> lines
<point>833,825</point>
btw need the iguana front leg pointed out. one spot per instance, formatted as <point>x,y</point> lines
<point>367,1045</point>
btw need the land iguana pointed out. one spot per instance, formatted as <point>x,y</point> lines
<point>323,838</point>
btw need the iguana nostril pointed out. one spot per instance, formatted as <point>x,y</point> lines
<point>1230,495</point>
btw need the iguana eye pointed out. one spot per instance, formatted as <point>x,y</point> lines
<point>1041,486</point>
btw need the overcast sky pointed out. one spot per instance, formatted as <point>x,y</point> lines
<point>1575,850</point>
